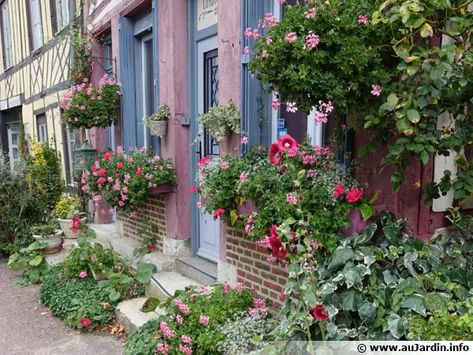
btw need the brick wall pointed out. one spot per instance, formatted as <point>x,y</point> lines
<point>155,211</point>
<point>252,268</point>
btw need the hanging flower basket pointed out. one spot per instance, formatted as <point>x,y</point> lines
<point>159,128</point>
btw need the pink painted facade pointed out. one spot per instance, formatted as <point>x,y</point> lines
<point>175,55</point>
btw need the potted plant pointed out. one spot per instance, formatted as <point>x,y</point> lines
<point>67,207</point>
<point>50,235</point>
<point>157,122</point>
<point>220,121</point>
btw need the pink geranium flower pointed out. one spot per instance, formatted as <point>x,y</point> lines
<point>291,107</point>
<point>312,40</point>
<point>218,212</point>
<point>186,339</point>
<point>376,90</point>
<point>274,155</point>
<point>290,37</point>
<point>75,224</point>
<point>275,104</point>
<point>339,190</point>
<point>354,195</point>
<point>162,348</point>
<point>363,19</point>
<point>244,140</point>
<point>85,322</point>
<point>311,13</point>
<point>83,274</point>
<point>239,287</point>
<point>120,165</point>
<point>204,320</point>
<point>287,144</point>
<point>224,165</point>
<point>139,171</point>
<point>291,198</point>
<point>107,156</point>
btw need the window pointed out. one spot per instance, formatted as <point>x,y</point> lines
<point>42,127</point>
<point>6,36</point>
<point>60,17</point>
<point>69,146</point>
<point>107,56</point>
<point>35,29</point>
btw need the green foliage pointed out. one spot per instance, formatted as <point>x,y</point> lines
<point>133,174</point>
<point>43,230</point>
<point>213,302</point>
<point>350,58</point>
<point>76,299</point>
<point>86,105</point>
<point>82,61</point>
<point>31,261</point>
<point>381,284</point>
<point>18,210</point>
<point>68,206</point>
<point>44,176</point>
<point>221,120</point>
<point>162,114</point>
<point>244,334</point>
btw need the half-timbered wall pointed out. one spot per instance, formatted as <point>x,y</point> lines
<point>37,78</point>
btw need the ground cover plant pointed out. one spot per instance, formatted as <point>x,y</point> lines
<point>199,321</point>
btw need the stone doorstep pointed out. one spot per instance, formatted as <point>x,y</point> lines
<point>129,314</point>
<point>165,284</point>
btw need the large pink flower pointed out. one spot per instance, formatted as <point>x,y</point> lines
<point>277,247</point>
<point>339,190</point>
<point>319,313</point>
<point>75,224</point>
<point>274,155</point>
<point>288,145</point>
<point>354,195</point>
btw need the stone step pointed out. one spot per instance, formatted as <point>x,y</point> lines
<point>165,284</point>
<point>196,268</point>
<point>129,314</point>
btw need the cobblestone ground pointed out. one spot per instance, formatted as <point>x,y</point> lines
<point>27,328</point>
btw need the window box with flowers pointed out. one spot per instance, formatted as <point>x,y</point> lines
<point>158,121</point>
<point>126,180</point>
<point>86,105</point>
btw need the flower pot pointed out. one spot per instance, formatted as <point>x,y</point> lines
<point>66,223</point>
<point>99,276</point>
<point>247,208</point>
<point>159,128</point>
<point>53,241</point>
<point>160,189</point>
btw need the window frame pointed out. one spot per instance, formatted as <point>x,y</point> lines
<point>63,15</point>
<point>6,35</point>
<point>42,128</point>
<point>36,38</point>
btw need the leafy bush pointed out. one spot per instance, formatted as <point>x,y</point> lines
<point>382,284</point>
<point>193,321</point>
<point>76,301</point>
<point>68,206</point>
<point>44,176</point>
<point>31,261</point>
<point>18,210</point>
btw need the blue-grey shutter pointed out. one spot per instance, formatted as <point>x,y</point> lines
<point>127,79</point>
<point>256,101</point>
<point>156,142</point>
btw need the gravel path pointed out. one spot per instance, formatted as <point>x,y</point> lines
<point>27,328</point>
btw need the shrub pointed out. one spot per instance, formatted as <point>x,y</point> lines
<point>44,176</point>
<point>31,261</point>
<point>78,301</point>
<point>68,206</point>
<point>18,210</point>
<point>193,320</point>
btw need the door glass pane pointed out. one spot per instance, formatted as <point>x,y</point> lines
<point>14,139</point>
<point>15,153</point>
<point>211,145</point>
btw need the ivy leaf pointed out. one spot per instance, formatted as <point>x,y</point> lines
<point>395,326</point>
<point>367,311</point>
<point>415,302</point>
<point>350,300</point>
<point>340,256</point>
<point>392,101</point>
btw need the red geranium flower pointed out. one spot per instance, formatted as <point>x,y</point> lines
<point>120,165</point>
<point>339,190</point>
<point>193,189</point>
<point>101,180</point>
<point>288,144</point>
<point>75,224</point>
<point>102,172</point>
<point>107,156</point>
<point>274,155</point>
<point>204,161</point>
<point>139,171</point>
<point>218,212</point>
<point>319,312</point>
<point>85,322</point>
<point>276,244</point>
<point>354,195</point>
